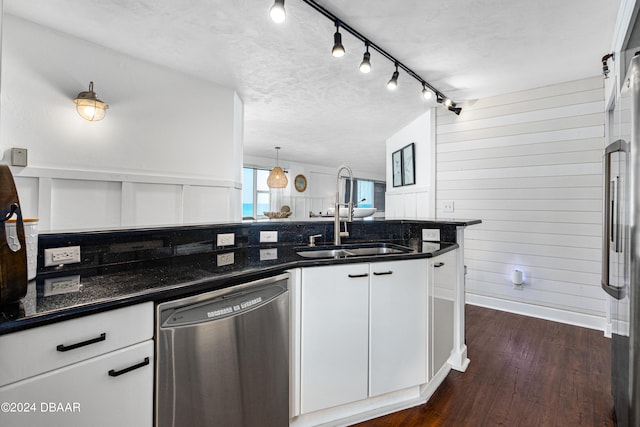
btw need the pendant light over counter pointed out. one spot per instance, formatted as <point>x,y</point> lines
<point>277,178</point>
<point>278,15</point>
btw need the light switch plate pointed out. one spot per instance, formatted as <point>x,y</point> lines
<point>18,157</point>
<point>268,236</point>
<point>225,239</point>
<point>431,234</point>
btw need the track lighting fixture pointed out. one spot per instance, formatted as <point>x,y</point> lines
<point>392,84</point>
<point>338,49</point>
<point>365,65</point>
<point>277,12</point>
<point>428,91</point>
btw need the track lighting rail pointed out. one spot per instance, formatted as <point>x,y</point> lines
<point>440,97</point>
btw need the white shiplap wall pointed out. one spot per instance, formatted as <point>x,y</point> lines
<point>529,164</point>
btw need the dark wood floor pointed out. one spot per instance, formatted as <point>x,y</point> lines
<point>523,372</point>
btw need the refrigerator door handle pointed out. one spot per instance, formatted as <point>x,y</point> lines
<point>608,225</point>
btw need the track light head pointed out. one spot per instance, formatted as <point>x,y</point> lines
<point>338,49</point>
<point>456,110</point>
<point>447,102</point>
<point>392,84</point>
<point>365,65</point>
<point>426,93</point>
<point>277,12</point>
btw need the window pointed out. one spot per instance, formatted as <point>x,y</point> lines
<point>371,191</point>
<point>255,192</point>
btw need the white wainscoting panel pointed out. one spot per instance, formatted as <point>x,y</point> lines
<point>84,204</point>
<point>529,164</point>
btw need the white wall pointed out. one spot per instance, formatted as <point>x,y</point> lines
<point>321,184</point>
<point>529,164</point>
<point>413,201</point>
<point>168,152</point>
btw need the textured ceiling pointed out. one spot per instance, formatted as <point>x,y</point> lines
<point>321,109</point>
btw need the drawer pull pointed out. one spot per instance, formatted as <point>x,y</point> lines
<point>355,276</point>
<point>114,373</point>
<point>382,273</point>
<point>62,347</point>
<point>438,264</point>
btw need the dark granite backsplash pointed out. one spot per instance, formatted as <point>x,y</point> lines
<point>118,249</point>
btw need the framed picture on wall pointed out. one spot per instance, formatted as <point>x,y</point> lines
<point>396,160</point>
<point>408,165</point>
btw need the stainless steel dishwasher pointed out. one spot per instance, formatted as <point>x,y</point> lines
<point>223,357</point>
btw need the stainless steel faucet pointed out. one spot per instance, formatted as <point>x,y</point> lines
<point>337,234</point>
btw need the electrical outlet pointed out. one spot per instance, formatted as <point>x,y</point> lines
<point>226,239</point>
<point>268,254</point>
<point>431,234</point>
<point>57,256</point>
<point>447,206</point>
<point>61,285</point>
<point>225,259</point>
<point>268,236</point>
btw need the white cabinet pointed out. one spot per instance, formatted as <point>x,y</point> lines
<point>334,340</point>
<point>95,370</point>
<point>363,331</point>
<point>443,272</point>
<point>398,325</point>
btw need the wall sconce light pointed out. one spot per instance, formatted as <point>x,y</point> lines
<point>89,106</point>
<point>277,177</point>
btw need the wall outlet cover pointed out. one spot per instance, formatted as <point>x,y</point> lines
<point>65,255</point>
<point>431,234</point>
<point>447,206</point>
<point>225,259</point>
<point>268,236</point>
<point>225,239</point>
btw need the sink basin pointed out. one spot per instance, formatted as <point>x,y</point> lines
<point>347,251</point>
<point>357,212</point>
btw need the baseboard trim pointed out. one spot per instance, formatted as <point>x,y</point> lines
<point>540,312</point>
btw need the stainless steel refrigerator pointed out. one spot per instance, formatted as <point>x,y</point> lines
<point>621,246</point>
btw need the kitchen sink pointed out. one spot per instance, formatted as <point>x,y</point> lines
<point>354,250</point>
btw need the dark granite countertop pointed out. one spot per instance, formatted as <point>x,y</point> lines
<point>108,287</point>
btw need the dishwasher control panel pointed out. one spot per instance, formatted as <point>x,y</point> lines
<point>223,306</point>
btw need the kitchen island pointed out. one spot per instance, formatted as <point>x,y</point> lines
<point>136,269</point>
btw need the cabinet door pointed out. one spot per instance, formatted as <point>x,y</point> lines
<point>398,325</point>
<point>444,276</point>
<point>334,335</point>
<point>85,394</point>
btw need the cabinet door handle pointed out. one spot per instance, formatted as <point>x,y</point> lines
<point>355,276</point>
<point>382,273</point>
<point>438,264</point>
<point>114,373</point>
<point>62,347</point>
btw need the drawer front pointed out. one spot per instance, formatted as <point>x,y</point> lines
<point>34,351</point>
<point>111,390</point>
